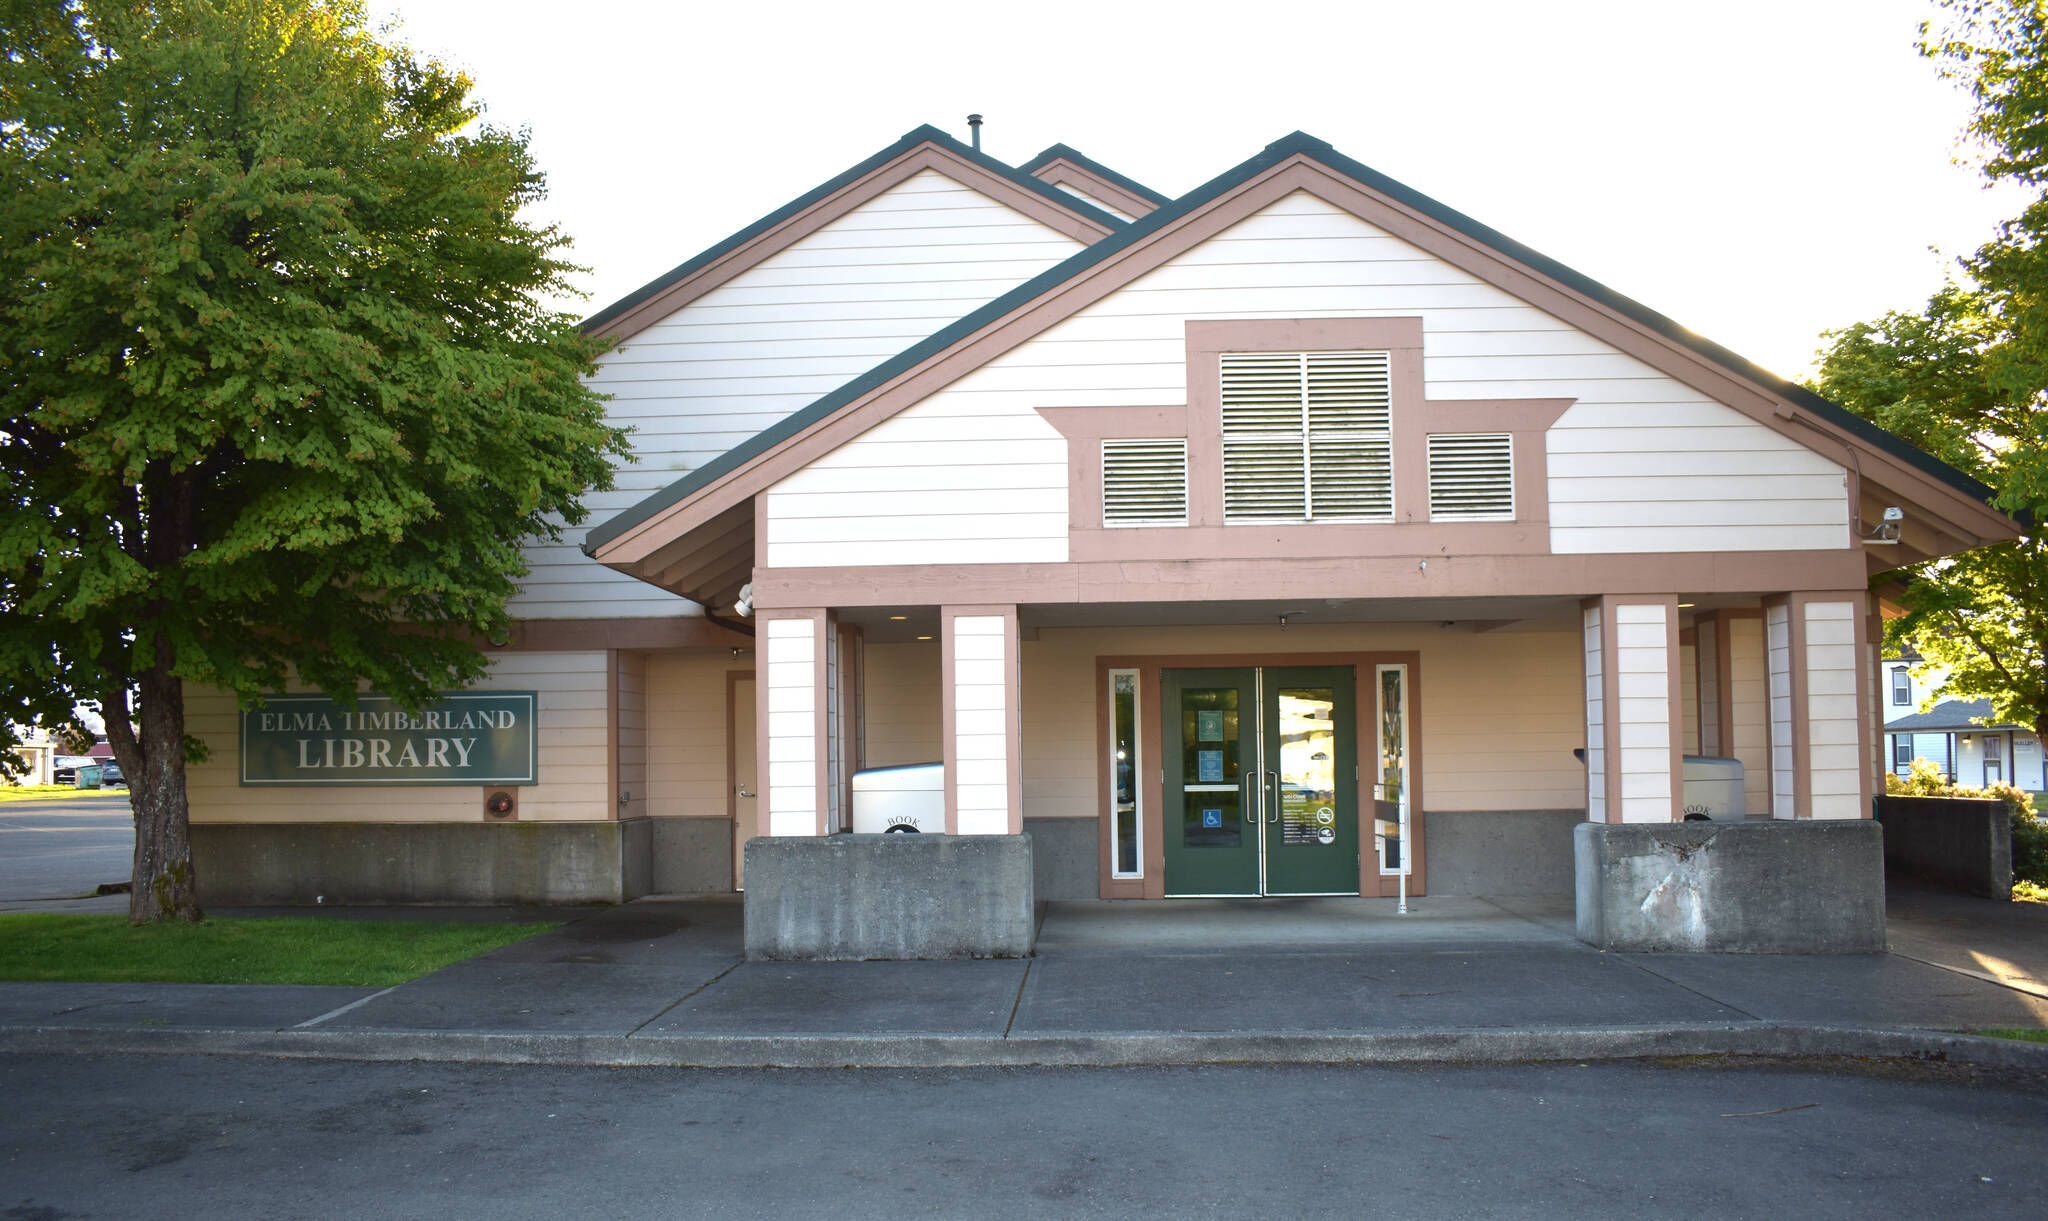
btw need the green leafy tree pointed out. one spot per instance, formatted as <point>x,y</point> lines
<point>278,398</point>
<point>1967,378</point>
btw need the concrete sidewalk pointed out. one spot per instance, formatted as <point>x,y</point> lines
<point>664,981</point>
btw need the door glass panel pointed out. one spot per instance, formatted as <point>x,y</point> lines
<point>1211,816</point>
<point>1308,766</point>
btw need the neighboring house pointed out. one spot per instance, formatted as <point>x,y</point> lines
<point>1283,538</point>
<point>38,751</point>
<point>1954,735</point>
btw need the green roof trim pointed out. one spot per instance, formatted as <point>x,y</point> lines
<point>596,323</point>
<point>1298,143</point>
<point>1063,152</point>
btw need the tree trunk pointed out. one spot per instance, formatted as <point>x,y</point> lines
<point>163,886</point>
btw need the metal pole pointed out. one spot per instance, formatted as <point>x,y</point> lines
<point>1401,909</point>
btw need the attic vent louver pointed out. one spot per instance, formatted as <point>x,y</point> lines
<point>1306,436</point>
<point>1471,477</point>
<point>1145,483</point>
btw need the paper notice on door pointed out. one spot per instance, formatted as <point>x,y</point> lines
<point>1208,766</point>
<point>1208,726</point>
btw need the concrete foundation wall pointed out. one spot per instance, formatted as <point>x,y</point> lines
<point>1957,842</point>
<point>636,857</point>
<point>1501,852</point>
<point>692,856</point>
<point>1779,887</point>
<point>249,864</point>
<point>852,897</point>
<point>1066,857</point>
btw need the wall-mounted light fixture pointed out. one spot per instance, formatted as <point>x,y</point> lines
<point>1887,532</point>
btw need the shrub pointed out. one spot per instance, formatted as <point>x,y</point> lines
<point>2029,836</point>
<point>1924,782</point>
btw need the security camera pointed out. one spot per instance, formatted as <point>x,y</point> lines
<point>1895,513</point>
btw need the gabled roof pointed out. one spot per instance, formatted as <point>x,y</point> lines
<point>1062,165</point>
<point>729,479</point>
<point>1947,715</point>
<point>923,148</point>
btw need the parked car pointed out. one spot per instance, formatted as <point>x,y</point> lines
<point>64,770</point>
<point>110,775</point>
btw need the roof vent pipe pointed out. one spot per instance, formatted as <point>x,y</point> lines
<point>974,130</point>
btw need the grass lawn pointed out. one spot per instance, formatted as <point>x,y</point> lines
<point>2025,1034</point>
<point>2024,891</point>
<point>285,950</point>
<point>53,792</point>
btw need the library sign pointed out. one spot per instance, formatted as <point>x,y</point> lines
<point>464,737</point>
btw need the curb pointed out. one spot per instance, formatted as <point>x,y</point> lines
<point>1458,1046</point>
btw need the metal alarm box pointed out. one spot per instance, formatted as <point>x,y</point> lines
<point>906,799</point>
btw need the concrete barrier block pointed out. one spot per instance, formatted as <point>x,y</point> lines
<point>1066,858</point>
<point>1761,887</point>
<point>691,856</point>
<point>1499,852</point>
<point>853,897</point>
<point>1961,842</point>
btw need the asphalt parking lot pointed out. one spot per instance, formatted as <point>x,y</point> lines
<point>52,851</point>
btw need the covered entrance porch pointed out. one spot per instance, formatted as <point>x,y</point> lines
<point>1155,750</point>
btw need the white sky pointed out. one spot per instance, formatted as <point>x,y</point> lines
<point>1759,171</point>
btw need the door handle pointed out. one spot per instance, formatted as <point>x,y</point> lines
<point>1272,796</point>
<point>743,791</point>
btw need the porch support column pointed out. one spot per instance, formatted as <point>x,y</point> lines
<point>1712,651</point>
<point>798,732</point>
<point>983,720</point>
<point>1635,715</point>
<point>1821,704</point>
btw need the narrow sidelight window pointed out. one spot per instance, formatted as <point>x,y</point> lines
<point>1125,851</point>
<point>1391,788</point>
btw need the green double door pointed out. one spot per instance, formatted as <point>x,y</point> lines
<point>1261,781</point>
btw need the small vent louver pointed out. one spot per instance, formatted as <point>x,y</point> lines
<point>1471,477</point>
<point>1145,483</point>
<point>1306,436</point>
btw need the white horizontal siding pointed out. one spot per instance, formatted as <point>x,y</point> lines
<point>1834,767</point>
<point>1778,671</point>
<point>774,339</point>
<point>1642,662</point>
<point>980,699</point>
<point>789,652</point>
<point>1086,198</point>
<point>573,759</point>
<point>1639,463</point>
